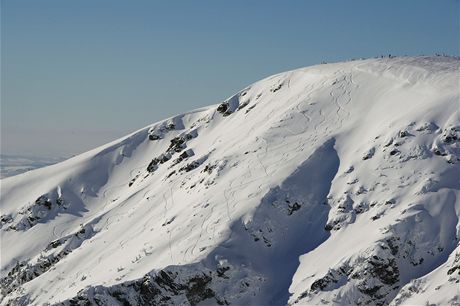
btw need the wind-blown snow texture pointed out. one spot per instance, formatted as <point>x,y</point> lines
<point>337,183</point>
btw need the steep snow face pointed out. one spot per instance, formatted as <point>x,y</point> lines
<point>337,183</point>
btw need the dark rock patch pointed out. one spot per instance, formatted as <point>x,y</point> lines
<point>224,109</point>
<point>250,108</point>
<point>190,166</point>
<point>183,156</point>
<point>161,288</point>
<point>209,168</point>
<point>292,208</point>
<point>394,152</point>
<point>276,88</point>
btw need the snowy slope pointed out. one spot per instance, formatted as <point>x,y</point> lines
<point>337,183</point>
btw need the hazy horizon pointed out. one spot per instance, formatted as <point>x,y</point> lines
<point>76,75</point>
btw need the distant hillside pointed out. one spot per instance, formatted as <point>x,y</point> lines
<point>12,164</point>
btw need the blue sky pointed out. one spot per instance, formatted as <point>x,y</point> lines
<point>77,74</point>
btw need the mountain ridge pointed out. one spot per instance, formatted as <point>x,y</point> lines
<point>233,203</point>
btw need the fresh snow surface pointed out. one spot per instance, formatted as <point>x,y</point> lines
<point>335,184</point>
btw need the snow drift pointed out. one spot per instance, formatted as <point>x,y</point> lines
<point>337,183</point>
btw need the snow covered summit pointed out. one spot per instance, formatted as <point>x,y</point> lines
<point>335,184</point>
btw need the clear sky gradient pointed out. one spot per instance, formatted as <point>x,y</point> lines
<point>77,74</point>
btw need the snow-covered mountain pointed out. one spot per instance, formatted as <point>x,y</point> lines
<point>334,184</point>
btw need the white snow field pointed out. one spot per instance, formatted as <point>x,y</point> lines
<point>335,184</point>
